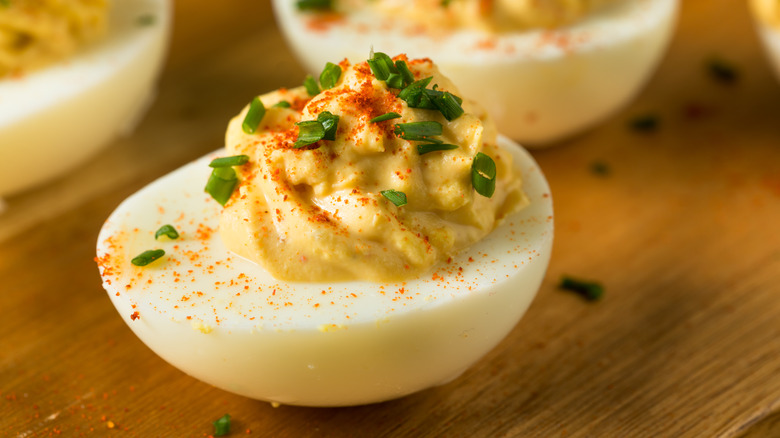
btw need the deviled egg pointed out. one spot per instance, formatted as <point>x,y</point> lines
<point>766,14</point>
<point>362,238</point>
<point>544,70</point>
<point>56,112</point>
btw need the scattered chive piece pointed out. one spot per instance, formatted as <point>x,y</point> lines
<point>310,131</point>
<point>424,148</point>
<point>404,71</point>
<point>382,66</point>
<point>282,104</point>
<point>254,116</point>
<point>646,123</point>
<point>394,196</point>
<point>311,86</point>
<point>167,230</point>
<point>142,20</point>
<point>222,426</point>
<point>314,5</point>
<point>147,257</point>
<point>385,116</point>
<point>590,290</point>
<point>235,160</point>
<point>5,3</point>
<point>395,80</point>
<point>330,124</point>
<point>449,106</point>
<point>483,174</point>
<point>330,75</point>
<point>600,168</point>
<point>722,70</point>
<point>418,131</point>
<point>415,95</point>
<point>221,183</point>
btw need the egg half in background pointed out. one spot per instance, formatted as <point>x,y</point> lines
<point>540,86</point>
<point>766,16</point>
<point>54,118</point>
<point>226,321</point>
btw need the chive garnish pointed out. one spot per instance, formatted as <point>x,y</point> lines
<point>483,174</point>
<point>645,123</point>
<point>395,80</point>
<point>282,104</point>
<point>168,231</point>
<point>311,86</point>
<point>330,124</point>
<point>310,131</point>
<point>5,3</point>
<point>414,94</point>
<point>394,196</point>
<point>722,70</point>
<point>235,160</point>
<point>406,74</point>
<point>418,131</point>
<point>314,5</point>
<point>222,426</point>
<point>330,75</point>
<point>385,116</point>
<point>590,290</point>
<point>600,168</point>
<point>381,65</point>
<point>424,148</point>
<point>221,183</point>
<point>142,20</point>
<point>254,116</point>
<point>147,257</point>
<point>447,103</point>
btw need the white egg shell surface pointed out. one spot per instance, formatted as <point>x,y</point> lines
<point>226,321</point>
<point>54,118</point>
<point>539,86</point>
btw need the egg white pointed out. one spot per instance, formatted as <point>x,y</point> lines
<point>226,321</point>
<point>54,118</point>
<point>540,86</point>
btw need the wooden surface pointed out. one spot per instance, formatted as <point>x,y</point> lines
<point>683,230</point>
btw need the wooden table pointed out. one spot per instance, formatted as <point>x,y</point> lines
<point>683,229</point>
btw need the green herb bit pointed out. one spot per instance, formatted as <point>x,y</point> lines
<point>317,5</point>
<point>309,132</point>
<point>311,86</point>
<point>281,104</point>
<point>394,196</point>
<point>142,20</point>
<point>448,104</point>
<point>395,80</point>
<point>330,123</point>
<point>414,95</point>
<point>418,131</point>
<point>253,116</point>
<point>5,3</point>
<point>646,123</point>
<point>330,75</point>
<point>221,183</point>
<point>385,116</point>
<point>590,290</point>
<point>600,168</point>
<point>147,257</point>
<point>424,148</point>
<point>234,160</point>
<point>222,426</point>
<point>404,71</point>
<point>483,174</point>
<point>168,231</point>
<point>722,70</point>
<point>382,66</point>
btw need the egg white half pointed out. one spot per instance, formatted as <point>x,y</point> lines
<point>540,86</point>
<point>226,321</point>
<point>54,118</point>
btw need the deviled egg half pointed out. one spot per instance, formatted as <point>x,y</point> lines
<point>61,101</point>
<point>361,238</point>
<point>766,14</point>
<point>544,70</point>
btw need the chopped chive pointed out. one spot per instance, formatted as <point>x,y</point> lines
<point>385,116</point>
<point>394,196</point>
<point>722,70</point>
<point>235,160</point>
<point>5,3</point>
<point>314,5</point>
<point>600,168</point>
<point>168,231</point>
<point>330,75</point>
<point>254,116</point>
<point>395,80</point>
<point>414,94</point>
<point>222,426</point>
<point>448,105</point>
<point>483,174</point>
<point>382,66</point>
<point>590,290</point>
<point>147,257</point>
<point>330,124</point>
<point>404,71</point>
<point>311,86</point>
<point>281,104</point>
<point>142,20</point>
<point>310,131</point>
<point>221,183</point>
<point>418,131</point>
<point>424,148</point>
<point>645,123</point>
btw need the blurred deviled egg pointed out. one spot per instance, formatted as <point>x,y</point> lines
<point>74,74</point>
<point>363,237</point>
<point>767,17</point>
<point>545,70</point>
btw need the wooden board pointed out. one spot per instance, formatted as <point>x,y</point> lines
<point>683,230</point>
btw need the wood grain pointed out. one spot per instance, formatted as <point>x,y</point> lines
<point>682,230</point>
